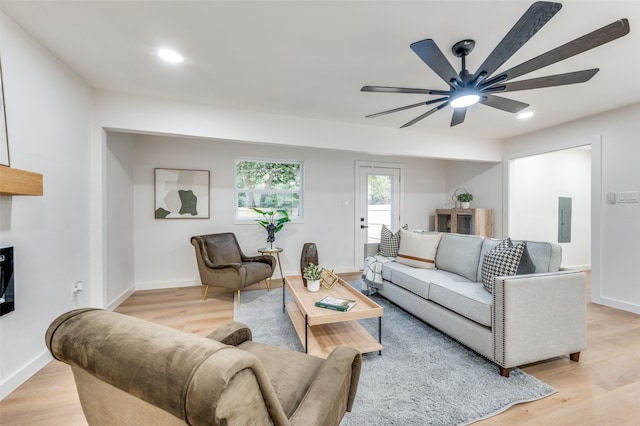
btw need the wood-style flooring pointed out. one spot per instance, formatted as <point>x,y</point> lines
<point>602,389</point>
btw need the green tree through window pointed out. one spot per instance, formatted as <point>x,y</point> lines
<point>268,185</point>
<point>379,189</point>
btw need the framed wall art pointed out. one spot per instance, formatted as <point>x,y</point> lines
<point>181,194</point>
<point>4,136</point>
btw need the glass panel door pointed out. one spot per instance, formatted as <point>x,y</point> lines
<point>379,204</point>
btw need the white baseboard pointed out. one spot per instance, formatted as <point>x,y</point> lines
<point>118,300</point>
<point>22,375</point>
<point>166,284</point>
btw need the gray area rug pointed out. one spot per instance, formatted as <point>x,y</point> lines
<point>422,378</point>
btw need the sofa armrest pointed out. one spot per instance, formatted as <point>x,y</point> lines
<point>262,258</point>
<point>539,316</point>
<point>333,390</point>
<point>371,249</point>
<point>232,333</point>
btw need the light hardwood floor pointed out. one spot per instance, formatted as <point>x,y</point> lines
<point>602,389</point>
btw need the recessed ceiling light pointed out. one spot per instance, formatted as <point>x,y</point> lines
<point>524,115</point>
<point>170,55</point>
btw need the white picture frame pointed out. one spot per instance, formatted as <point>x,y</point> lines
<point>181,194</point>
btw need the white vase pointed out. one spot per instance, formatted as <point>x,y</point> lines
<point>465,205</point>
<point>313,286</point>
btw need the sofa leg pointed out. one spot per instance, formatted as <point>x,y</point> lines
<point>504,372</point>
<point>575,356</point>
<point>238,297</point>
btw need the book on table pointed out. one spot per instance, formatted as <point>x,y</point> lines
<point>336,303</point>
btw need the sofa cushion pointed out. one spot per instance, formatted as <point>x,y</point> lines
<point>417,280</point>
<point>418,250</point>
<point>459,254</point>
<point>502,260</point>
<point>468,299</point>
<point>389,242</point>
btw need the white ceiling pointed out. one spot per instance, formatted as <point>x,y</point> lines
<point>310,58</point>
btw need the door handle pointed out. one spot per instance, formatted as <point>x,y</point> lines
<point>364,226</point>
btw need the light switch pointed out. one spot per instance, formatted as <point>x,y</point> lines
<point>627,197</point>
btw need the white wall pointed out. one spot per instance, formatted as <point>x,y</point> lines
<point>483,181</point>
<point>615,231</point>
<point>164,256</point>
<point>536,182</point>
<point>120,260</point>
<point>48,118</point>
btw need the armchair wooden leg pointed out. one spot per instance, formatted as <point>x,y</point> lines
<point>204,295</point>
<point>238,297</point>
<point>504,372</point>
<point>575,356</point>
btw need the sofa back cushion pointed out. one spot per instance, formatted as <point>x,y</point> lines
<point>546,256</point>
<point>459,254</point>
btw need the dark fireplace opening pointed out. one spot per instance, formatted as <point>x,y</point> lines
<point>7,302</point>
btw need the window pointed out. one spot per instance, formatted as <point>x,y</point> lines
<point>268,185</point>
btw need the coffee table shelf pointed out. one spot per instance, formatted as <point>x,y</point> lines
<point>324,329</point>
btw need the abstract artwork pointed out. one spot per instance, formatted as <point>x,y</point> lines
<point>181,194</point>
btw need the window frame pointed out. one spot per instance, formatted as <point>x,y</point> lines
<point>299,218</point>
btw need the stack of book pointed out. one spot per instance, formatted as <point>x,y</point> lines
<point>336,303</point>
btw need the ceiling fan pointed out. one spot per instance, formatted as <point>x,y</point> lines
<point>466,89</point>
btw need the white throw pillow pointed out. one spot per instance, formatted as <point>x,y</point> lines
<point>418,250</point>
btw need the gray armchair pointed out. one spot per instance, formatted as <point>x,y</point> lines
<point>221,263</point>
<point>133,372</point>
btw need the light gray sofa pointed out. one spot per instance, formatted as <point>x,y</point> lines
<point>527,318</point>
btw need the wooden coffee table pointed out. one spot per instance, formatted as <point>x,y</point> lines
<point>321,330</point>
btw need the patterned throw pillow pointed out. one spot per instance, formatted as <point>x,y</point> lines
<point>502,260</point>
<point>389,242</point>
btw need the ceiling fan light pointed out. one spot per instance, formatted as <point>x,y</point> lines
<point>465,100</point>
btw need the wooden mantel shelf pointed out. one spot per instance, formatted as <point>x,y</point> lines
<point>19,182</point>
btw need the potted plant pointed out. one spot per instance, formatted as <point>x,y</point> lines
<point>465,199</point>
<point>273,222</point>
<point>312,273</point>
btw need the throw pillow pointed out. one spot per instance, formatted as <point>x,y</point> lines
<point>389,242</point>
<point>502,260</point>
<point>526,265</point>
<point>418,249</point>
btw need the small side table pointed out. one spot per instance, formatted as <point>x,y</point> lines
<point>276,251</point>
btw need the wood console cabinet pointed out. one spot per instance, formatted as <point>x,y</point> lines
<point>465,221</point>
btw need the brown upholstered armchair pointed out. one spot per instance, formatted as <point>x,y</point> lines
<point>221,263</point>
<point>132,372</point>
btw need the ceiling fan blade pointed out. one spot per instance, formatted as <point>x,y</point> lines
<point>429,52</point>
<point>432,101</point>
<point>551,80</point>
<point>387,89</point>
<point>533,19</point>
<point>426,114</point>
<point>395,110</point>
<point>458,116</point>
<point>504,104</point>
<point>589,41</point>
